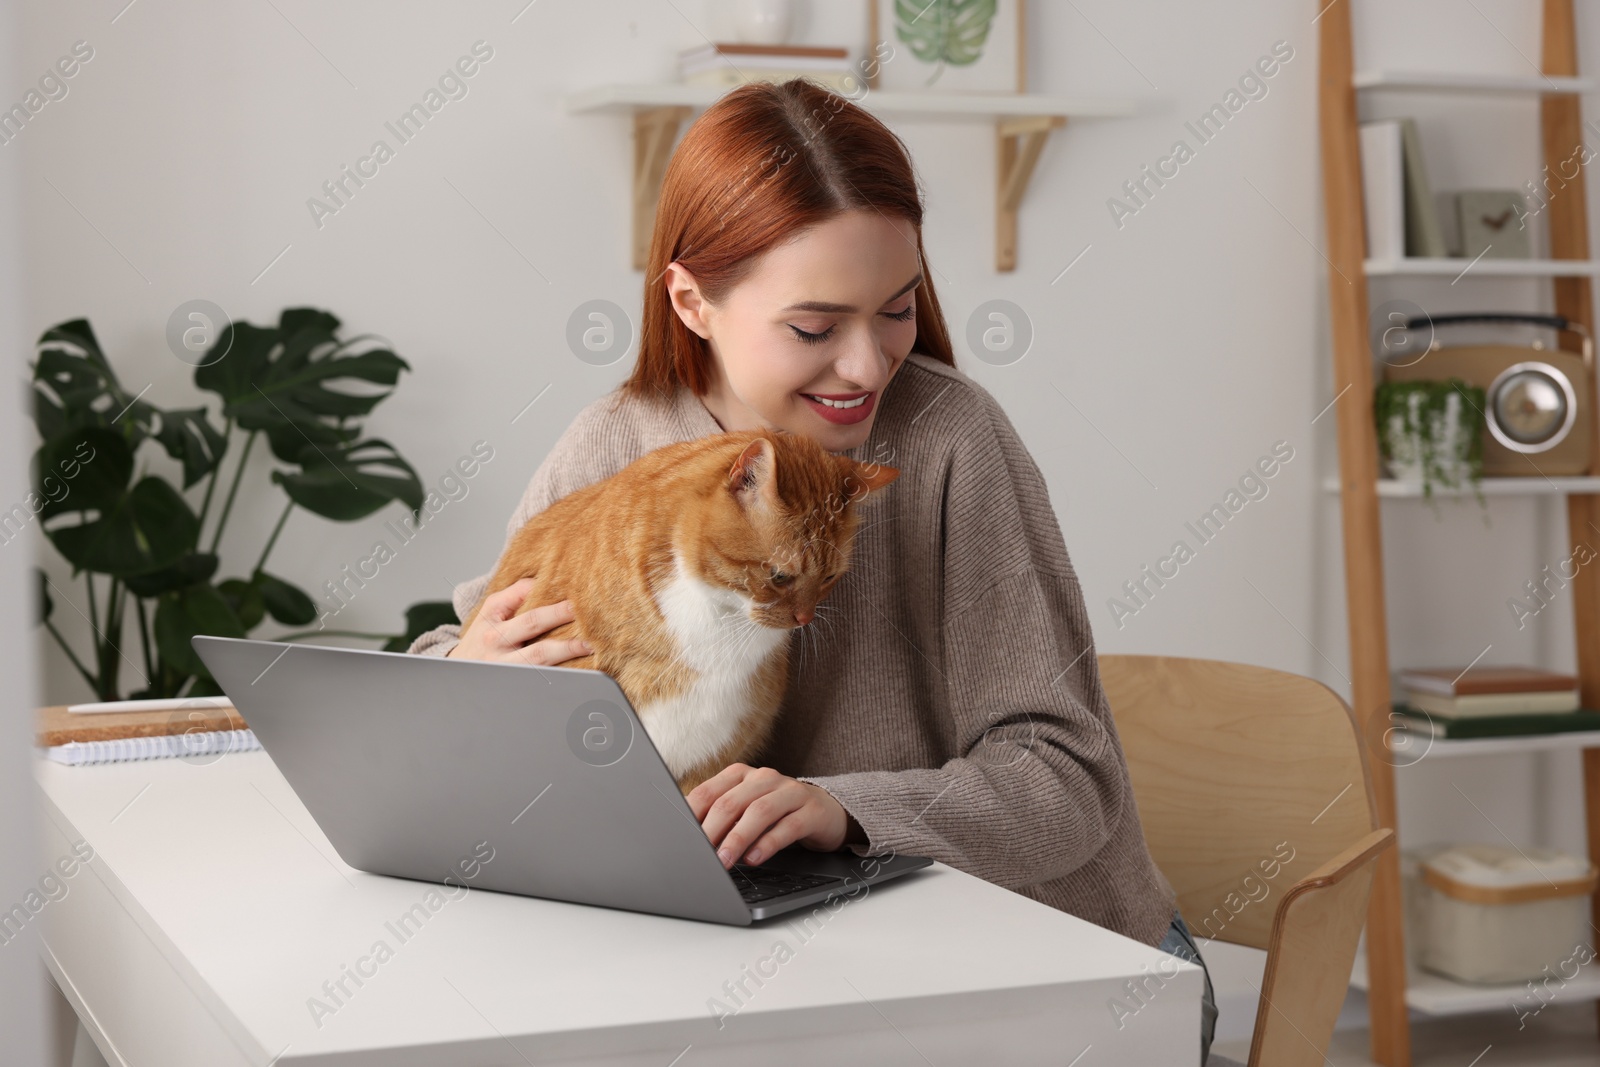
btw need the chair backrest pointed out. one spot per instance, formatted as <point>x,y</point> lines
<point>1247,779</point>
<point>1256,802</point>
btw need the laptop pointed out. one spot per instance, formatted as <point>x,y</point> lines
<point>522,779</point>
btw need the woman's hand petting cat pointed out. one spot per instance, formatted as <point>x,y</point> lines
<point>497,633</point>
<point>749,813</point>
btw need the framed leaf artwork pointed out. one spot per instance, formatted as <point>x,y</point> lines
<point>964,46</point>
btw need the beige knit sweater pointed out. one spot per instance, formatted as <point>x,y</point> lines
<point>952,703</point>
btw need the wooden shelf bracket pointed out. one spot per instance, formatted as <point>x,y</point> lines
<point>1022,124</point>
<point>1018,142</point>
<point>655,129</point>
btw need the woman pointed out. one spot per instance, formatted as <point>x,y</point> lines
<point>951,707</point>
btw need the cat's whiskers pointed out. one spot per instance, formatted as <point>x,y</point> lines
<point>857,576</point>
<point>751,634</point>
<point>734,629</point>
<point>864,527</point>
<point>746,633</point>
<point>801,664</point>
<point>736,638</point>
<point>825,618</point>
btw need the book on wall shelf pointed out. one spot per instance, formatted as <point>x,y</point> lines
<point>724,65</point>
<point>1482,692</point>
<point>1402,212</point>
<point>1424,236</point>
<point>1383,186</point>
<point>1485,726</point>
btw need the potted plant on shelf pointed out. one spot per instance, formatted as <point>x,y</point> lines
<point>138,533</point>
<point>1430,433</point>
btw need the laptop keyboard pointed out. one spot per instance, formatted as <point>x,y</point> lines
<point>757,884</point>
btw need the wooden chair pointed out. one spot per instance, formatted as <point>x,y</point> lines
<point>1257,804</point>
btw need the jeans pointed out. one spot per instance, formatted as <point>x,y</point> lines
<point>1180,943</point>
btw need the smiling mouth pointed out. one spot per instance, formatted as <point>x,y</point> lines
<point>839,402</point>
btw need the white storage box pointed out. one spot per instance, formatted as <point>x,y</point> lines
<point>1493,914</point>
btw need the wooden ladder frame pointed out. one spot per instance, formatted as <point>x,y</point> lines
<point>1561,118</point>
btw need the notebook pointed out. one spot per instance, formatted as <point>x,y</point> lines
<point>114,737</point>
<point>210,744</point>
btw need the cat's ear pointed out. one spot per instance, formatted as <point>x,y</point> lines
<point>868,476</point>
<point>753,477</point>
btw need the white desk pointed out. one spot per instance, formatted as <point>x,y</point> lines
<point>215,909</point>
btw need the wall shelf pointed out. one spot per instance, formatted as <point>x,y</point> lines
<point>619,98</point>
<point>1485,267</point>
<point>1453,81</point>
<point>1553,486</point>
<point>1443,747</point>
<point>1022,124</point>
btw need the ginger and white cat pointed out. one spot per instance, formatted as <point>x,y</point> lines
<point>688,571</point>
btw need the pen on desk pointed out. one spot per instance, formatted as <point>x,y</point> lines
<point>156,704</point>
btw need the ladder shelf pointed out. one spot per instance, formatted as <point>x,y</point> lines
<point>1391,987</point>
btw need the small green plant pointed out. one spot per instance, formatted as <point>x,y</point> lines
<point>944,31</point>
<point>139,535</point>
<point>1432,431</point>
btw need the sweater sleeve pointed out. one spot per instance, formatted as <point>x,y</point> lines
<point>1040,781</point>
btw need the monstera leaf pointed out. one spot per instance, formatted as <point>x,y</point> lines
<point>194,567</point>
<point>70,375</point>
<point>944,31</point>
<point>150,527</point>
<point>44,604</point>
<point>74,388</point>
<point>189,437</point>
<point>287,603</point>
<point>245,600</point>
<point>282,381</point>
<point>123,530</point>
<point>348,482</point>
<point>197,609</point>
<point>420,618</point>
<point>85,468</point>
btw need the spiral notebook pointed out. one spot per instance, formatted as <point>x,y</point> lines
<point>199,734</point>
<point>209,745</point>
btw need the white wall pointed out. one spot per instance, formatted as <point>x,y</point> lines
<point>22,986</point>
<point>1188,340</point>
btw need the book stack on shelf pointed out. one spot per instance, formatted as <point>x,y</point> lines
<point>724,65</point>
<point>1406,218</point>
<point>1452,703</point>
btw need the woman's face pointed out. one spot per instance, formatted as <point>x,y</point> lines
<point>831,315</point>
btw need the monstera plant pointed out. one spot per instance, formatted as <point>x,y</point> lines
<point>944,31</point>
<point>296,385</point>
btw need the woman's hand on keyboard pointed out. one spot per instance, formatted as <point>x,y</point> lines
<point>751,812</point>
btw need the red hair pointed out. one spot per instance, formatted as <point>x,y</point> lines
<point>759,166</point>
